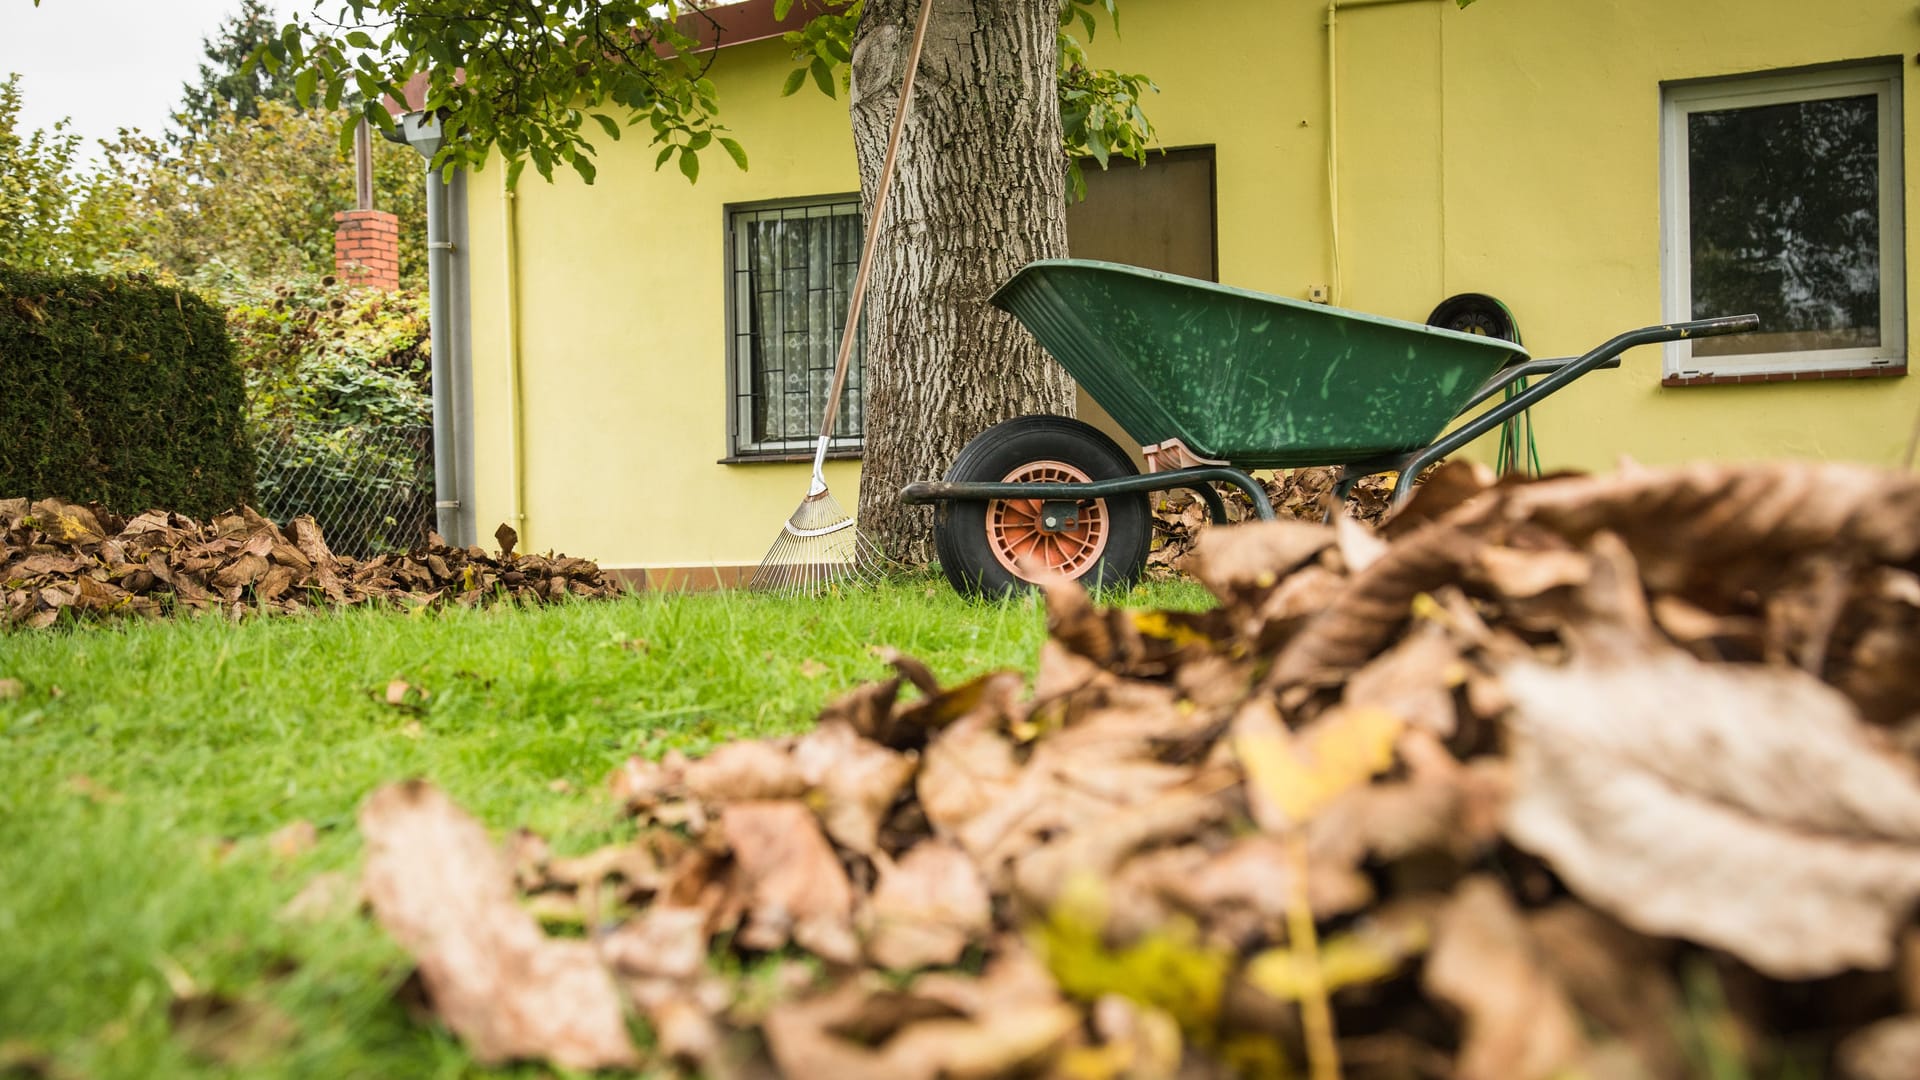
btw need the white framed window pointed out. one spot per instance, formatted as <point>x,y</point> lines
<point>790,271</point>
<point>1782,196</point>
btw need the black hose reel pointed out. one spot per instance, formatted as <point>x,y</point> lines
<point>1478,313</point>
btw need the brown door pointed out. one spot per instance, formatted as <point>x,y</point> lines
<point>1159,215</point>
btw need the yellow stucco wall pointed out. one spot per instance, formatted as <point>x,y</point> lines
<point>1511,148</point>
<point>623,340</point>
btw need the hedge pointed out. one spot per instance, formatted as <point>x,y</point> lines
<point>121,393</point>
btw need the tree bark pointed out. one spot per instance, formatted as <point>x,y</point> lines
<point>979,191</point>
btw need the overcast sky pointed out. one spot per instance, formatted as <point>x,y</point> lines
<point>107,64</point>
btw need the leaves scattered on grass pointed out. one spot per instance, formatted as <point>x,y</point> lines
<point>1473,800</point>
<point>293,839</point>
<point>57,558</point>
<point>403,695</point>
<point>92,790</point>
<point>439,887</point>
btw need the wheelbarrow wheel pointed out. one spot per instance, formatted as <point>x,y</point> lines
<point>1003,546</point>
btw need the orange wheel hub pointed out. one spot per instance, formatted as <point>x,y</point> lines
<point>1029,551</point>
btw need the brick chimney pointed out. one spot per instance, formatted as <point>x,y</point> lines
<point>366,248</point>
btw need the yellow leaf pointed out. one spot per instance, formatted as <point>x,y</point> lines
<point>1347,960</point>
<point>1155,624</point>
<point>1301,775</point>
<point>1170,969</point>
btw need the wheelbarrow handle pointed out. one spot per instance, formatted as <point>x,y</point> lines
<point>1725,324</point>
<point>1565,373</point>
<point>1527,369</point>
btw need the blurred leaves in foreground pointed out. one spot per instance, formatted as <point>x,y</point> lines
<point>1589,776</point>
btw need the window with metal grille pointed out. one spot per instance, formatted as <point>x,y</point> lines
<point>790,270</point>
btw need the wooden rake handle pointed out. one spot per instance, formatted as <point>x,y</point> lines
<point>873,235</point>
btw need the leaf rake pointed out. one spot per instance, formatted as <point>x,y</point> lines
<point>821,546</point>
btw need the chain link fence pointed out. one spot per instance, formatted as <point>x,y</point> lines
<point>370,488</point>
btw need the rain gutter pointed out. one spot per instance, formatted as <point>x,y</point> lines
<point>447,305</point>
<point>516,407</point>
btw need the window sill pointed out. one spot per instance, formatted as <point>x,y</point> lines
<point>786,459</point>
<point>1875,372</point>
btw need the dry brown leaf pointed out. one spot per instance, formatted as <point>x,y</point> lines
<point>92,790</point>
<point>1733,521</point>
<point>1413,680</point>
<point>1249,874</point>
<point>404,695</point>
<point>1517,572</point>
<point>1006,1022</point>
<point>855,782</point>
<point>630,861</point>
<point>664,942</point>
<point>293,839</point>
<point>1371,606</point>
<point>793,883</point>
<point>640,783</point>
<point>1618,980</point>
<point>243,571</point>
<point>1359,546</point>
<point>1252,558</point>
<point>1043,874</point>
<point>330,895</point>
<point>687,1033</point>
<point>441,889</point>
<point>1742,807</point>
<point>927,908</point>
<point>1520,1025</point>
<point>970,769</point>
<point>1888,1050</point>
<point>743,772</point>
<point>868,710</point>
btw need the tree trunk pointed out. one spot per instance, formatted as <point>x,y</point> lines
<point>979,191</point>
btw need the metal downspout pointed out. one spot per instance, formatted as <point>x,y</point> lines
<point>446,472</point>
<point>510,227</point>
<point>1333,149</point>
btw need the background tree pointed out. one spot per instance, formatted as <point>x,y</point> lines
<point>38,188</point>
<point>243,188</point>
<point>248,197</point>
<point>229,85</point>
<point>981,191</point>
<point>540,82</point>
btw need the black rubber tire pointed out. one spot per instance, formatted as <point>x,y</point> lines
<point>960,528</point>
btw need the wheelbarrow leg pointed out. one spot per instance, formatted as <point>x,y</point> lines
<point>1216,506</point>
<point>1343,486</point>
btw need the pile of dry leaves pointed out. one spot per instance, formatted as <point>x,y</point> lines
<point>56,557</point>
<point>1600,777</point>
<point>1297,494</point>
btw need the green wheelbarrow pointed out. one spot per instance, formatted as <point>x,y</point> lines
<point>1214,382</point>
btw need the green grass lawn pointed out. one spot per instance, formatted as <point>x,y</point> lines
<point>144,766</point>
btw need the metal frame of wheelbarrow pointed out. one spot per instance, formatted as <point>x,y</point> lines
<point>1558,372</point>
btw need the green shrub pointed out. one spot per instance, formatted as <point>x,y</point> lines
<point>119,392</point>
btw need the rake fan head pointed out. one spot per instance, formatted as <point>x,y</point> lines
<point>819,548</point>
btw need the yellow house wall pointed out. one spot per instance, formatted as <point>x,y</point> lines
<point>1511,148</point>
<point>1545,180</point>
<point>623,338</point>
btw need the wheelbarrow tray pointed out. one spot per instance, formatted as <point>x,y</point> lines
<point>1244,377</point>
